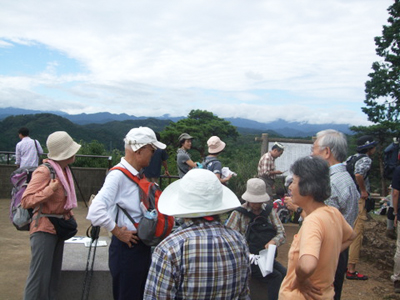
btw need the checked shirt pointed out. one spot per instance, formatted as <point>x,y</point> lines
<point>205,260</point>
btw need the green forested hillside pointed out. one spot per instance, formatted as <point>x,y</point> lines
<point>41,125</point>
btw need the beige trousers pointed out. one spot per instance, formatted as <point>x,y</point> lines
<point>355,247</point>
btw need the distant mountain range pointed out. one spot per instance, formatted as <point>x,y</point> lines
<point>281,127</point>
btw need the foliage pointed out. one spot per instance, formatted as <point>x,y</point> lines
<point>200,124</point>
<point>383,89</point>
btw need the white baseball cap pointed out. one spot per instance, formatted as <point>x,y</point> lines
<point>142,136</point>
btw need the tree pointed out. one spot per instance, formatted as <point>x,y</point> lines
<point>200,124</point>
<point>383,89</point>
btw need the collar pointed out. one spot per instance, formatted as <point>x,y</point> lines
<point>127,166</point>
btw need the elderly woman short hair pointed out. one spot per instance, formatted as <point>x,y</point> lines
<point>314,253</point>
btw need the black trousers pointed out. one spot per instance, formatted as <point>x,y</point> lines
<point>129,268</point>
<point>340,272</point>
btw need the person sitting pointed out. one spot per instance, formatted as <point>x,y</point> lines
<point>256,197</point>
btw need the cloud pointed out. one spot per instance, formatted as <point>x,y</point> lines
<point>301,59</point>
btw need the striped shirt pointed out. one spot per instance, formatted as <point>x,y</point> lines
<point>205,260</point>
<point>26,153</point>
<point>240,222</point>
<point>266,165</point>
<point>344,194</point>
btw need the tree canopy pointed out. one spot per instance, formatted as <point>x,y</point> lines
<point>200,124</point>
<point>383,89</point>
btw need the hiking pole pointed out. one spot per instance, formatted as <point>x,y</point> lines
<point>94,234</point>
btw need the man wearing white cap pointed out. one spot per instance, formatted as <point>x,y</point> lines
<point>266,167</point>
<point>129,258</point>
<point>211,162</point>
<point>202,259</point>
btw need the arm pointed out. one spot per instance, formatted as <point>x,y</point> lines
<point>361,185</point>
<point>346,244</point>
<point>190,163</point>
<point>17,156</point>
<point>223,180</point>
<point>305,268</point>
<point>164,163</point>
<point>40,188</point>
<point>293,207</point>
<point>280,237</point>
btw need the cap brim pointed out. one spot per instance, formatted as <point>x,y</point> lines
<point>255,199</point>
<point>159,145</point>
<point>169,203</point>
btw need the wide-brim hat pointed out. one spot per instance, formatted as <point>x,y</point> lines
<point>366,142</point>
<point>142,136</point>
<point>215,145</point>
<point>256,191</point>
<point>61,146</point>
<point>185,136</point>
<point>199,193</point>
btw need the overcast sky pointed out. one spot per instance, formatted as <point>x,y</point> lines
<point>262,60</point>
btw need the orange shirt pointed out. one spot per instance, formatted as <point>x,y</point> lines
<point>38,192</point>
<point>321,235</point>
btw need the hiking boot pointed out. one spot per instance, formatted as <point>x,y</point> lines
<point>397,286</point>
<point>391,233</point>
<point>355,276</point>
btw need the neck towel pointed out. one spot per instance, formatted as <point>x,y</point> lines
<point>67,183</point>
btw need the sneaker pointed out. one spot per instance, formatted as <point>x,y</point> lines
<point>397,286</point>
<point>357,276</point>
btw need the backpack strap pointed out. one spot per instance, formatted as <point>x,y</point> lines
<point>265,212</point>
<point>135,180</point>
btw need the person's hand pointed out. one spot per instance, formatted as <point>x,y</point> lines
<point>167,173</point>
<point>271,242</point>
<point>290,205</point>
<point>277,172</point>
<point>129,237</point>
<point>54,184</point>
<point>364,195</point>
<point>305,287</point>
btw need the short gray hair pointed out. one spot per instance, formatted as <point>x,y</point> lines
<point>335,141</point>
<point>314,179</point>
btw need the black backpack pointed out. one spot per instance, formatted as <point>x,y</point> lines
<point>390,157</point>
<point>351,165</point>
<point>259,231</point>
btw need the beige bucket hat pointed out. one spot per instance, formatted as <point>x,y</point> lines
<point>61,146</point>
<point>198,194</point>
<point>256,191</point>
<point>215,145</point>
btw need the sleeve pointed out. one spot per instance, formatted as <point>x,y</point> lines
<point>217,167</point>
<point>104,203</point>
<point>235,222</point>
<point>38,190</point>
<point>164,155</point>
<point>39,147</point>
<point>280,237</point>
<point>362,166</point>
<point>161,278</point>
<point>311,239</point>
<point>17,154</point>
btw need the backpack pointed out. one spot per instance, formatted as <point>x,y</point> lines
<point>20,178</point>
<point>390,158</point>
<point>259,231</point>
<point>154,226</point>
<point>351,165</point>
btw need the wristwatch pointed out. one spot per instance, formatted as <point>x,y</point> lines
<point>299,210</point>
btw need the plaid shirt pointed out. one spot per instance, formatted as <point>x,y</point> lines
<point>266,165</point>
<point>200,261</point>
<point>240,222</point>
<point>344,194</point>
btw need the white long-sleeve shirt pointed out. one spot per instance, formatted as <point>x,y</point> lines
<point>117,189</point>
<point>26,154</point>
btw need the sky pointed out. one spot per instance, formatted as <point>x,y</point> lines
<point>297,60</point>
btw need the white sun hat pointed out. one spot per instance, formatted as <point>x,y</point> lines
<point>215,145</point>
<point>198,194</point>
<point>61,146</point>
<point>142,136</point>
<point>256,191</point>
